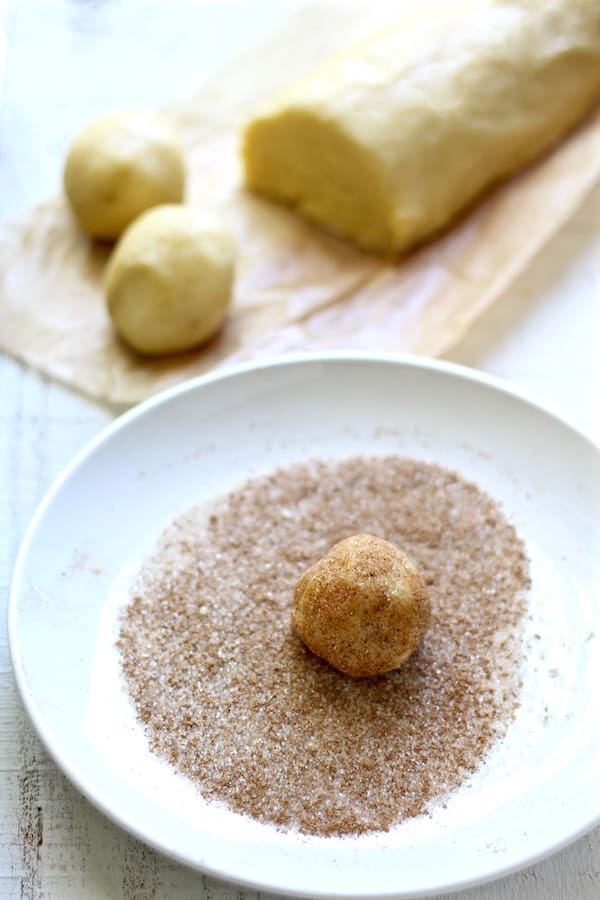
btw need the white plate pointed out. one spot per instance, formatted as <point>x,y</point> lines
<point>540,787</point>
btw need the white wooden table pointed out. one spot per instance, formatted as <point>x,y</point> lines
<point>67,61</point>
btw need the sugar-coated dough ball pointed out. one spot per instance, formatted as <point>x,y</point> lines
<point>119,166</point>
<point>363,607</point>
<point>170,278</point>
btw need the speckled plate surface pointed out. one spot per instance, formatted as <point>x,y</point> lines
<point>538,789</point>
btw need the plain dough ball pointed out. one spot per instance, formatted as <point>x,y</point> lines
<point>120,166</point>
<point>363,607</point>
<point>169,282</point>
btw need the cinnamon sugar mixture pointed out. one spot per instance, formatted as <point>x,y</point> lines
<point>231,697</point>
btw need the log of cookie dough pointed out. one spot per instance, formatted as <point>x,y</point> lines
<point>385,144</point>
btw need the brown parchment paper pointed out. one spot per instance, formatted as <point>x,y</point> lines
<point>296,288</point>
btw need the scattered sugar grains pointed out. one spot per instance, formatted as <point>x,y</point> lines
<point>230,695</point>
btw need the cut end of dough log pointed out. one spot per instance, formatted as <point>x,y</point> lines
<point>315,167</point>
<point>386,144</point>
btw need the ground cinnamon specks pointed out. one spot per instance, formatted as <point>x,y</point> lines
<point>232,698</point>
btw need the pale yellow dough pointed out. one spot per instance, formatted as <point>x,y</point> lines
<point>363,607</point>
<point>386,143</point>
<point>119,166</point>
<point>169,281</point>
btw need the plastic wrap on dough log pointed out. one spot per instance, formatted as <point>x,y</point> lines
<point>384,144</point>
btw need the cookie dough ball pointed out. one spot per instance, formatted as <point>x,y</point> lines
<point>169,281</point>
<point>363,607</point>
<point>120,166</point>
